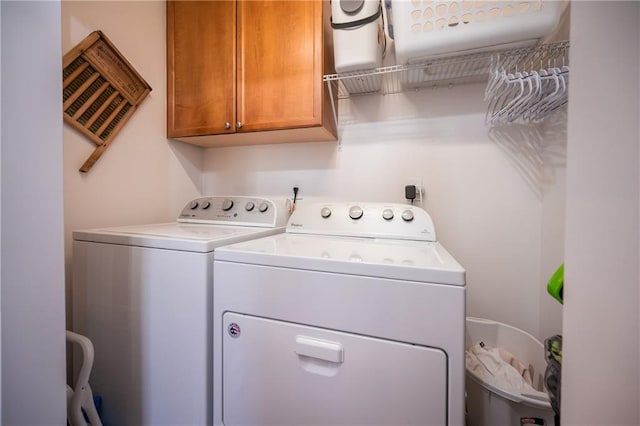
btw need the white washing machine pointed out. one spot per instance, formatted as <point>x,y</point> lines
<point>354,316</point>
<point>143,295</point>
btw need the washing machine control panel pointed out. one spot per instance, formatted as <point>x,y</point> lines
<point>374,220</point>
<point>235,210</point>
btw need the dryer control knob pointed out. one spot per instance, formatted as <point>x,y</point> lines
<point>193,205</point>
<point>249,206</point>
<point>227,205</point>
<point>407,215</point>
<point>206,205</point>
<point>355,212</point>
<point>387,214</point>
<point>325,212</point>
<point>263,207</point>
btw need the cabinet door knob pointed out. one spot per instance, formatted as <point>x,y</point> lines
<point>227,125</point>
<point>239,124</point>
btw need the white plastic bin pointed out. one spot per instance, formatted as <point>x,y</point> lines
<point>357,47</point>
<point>358,41</point>
<point>488,405</point>
<point>424,29</point>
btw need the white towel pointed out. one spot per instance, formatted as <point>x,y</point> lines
<point>499,368</point>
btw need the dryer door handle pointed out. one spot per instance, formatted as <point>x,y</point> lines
<point>320,349</point>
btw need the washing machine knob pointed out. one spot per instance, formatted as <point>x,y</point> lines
<point>206,205</point>
<point>387,214</point>
<point>355,212</point>
<point>407,215</point>
<point>193,205</point>
<point>325,212</point>
<point>249,206</point>
<point>227,205</point>
<point>263,207</point>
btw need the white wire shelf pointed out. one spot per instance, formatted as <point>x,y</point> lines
<point>441,71</point>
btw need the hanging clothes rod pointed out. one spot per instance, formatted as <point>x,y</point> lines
<point>527,85</point>
<point>452,69</point>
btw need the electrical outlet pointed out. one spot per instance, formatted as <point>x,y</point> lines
<point>296,196</point>
<point>419,188</point>
<point>299,193</point>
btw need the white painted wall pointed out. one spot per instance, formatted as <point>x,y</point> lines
<point>497,205</point>
<point>142,177</point>
<point>33,356</point>
<point>601,375</point>
<point>0,217</point>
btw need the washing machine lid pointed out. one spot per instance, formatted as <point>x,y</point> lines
<point>422,261</point>
<point>200,238</point>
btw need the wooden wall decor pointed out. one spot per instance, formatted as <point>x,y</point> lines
<point>101,91</point>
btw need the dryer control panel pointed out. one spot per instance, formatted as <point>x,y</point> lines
<point>372,220</point>
<point>235,210</point>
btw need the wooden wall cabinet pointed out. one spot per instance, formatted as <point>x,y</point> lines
<point>249,72</point>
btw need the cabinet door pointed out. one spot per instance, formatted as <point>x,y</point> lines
<point>279,64</point>
<point>201,80</point>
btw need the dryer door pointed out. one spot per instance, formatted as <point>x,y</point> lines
<point>281,373</point>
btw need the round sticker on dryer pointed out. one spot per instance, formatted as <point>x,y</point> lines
<point>234,330</point>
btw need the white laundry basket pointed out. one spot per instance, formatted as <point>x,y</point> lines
<point>488,405</point>
<point>424,29</point>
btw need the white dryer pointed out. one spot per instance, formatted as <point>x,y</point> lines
<point>143,295</point>
<point>354,316</point>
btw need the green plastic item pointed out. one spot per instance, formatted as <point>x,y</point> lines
<point>556,283</point>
